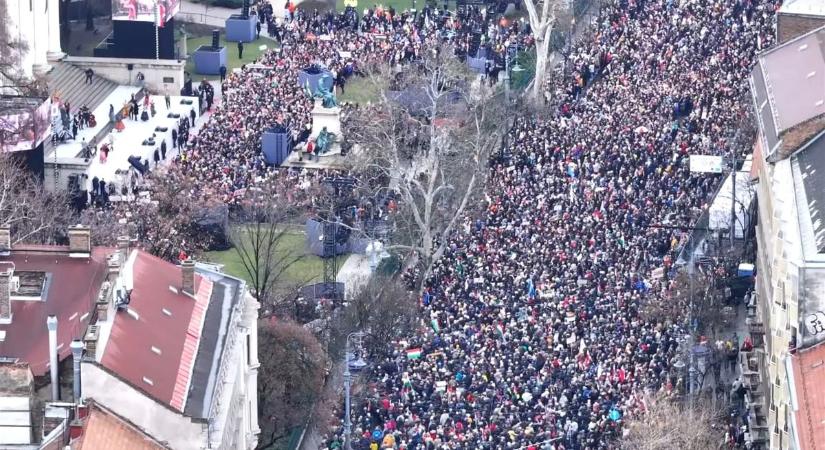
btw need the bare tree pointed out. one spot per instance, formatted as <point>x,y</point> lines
<point>383,310</point>
<point>543,16</point>
<point>290,380</point>
<point>34,215</point>
<point>666,425</point>
<point>172,221</point>
<point>427,141</point>
<point>259,233</point>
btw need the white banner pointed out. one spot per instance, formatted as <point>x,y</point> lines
<point>705,164</point>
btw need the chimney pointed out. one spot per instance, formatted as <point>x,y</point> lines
<point>90,341</point>
<point>5,295</point>
<point>80,241</point>
<point>187,270</point>
<point>5,240</point>
<point>77,353</point>
<point>123,248</point>
<point>51,324</point>
<point>102,303</point>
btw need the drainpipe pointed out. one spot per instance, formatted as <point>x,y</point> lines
<point>51,324</point>
<point>77,352</point>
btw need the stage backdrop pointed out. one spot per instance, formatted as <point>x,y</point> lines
<point>144,10</point>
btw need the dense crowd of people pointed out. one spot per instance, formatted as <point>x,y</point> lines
<point>225,157</point>
<point>536,339</point>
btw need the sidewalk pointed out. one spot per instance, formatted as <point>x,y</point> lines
<point>355,272</point>
<point>214,16</point>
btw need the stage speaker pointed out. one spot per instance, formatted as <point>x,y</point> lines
<point>245,11</point>
<point>216,38</point>
<point>130,67</point>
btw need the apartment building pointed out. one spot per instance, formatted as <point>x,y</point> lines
<point>787,317</point>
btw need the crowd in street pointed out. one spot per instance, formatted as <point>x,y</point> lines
<point>535,336</point>
<point>225,158</point>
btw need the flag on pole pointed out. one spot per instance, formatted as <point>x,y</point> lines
<point>413,353</point>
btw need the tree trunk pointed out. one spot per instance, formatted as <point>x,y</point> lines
<point>542,56</point>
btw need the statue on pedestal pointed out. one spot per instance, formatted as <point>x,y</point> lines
<point>327,97</point>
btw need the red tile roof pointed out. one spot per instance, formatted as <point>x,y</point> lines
<point>71,293</point>
<point>103,430</point>
<point>154,353</point>
<point>809,378</point>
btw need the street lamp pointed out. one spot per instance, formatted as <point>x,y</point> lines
<point>507,69</point>
<point>357,364</point>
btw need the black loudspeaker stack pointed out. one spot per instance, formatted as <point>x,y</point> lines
<point>216,38</point>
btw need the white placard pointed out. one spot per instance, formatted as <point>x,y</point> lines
<point>705,164</point>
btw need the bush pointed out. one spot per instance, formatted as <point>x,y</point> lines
<point>390,266</point>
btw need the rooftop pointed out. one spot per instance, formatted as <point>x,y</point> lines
<point>788,86</point>
<point>16,387</point>
<point>15,380</point>
<point>803,7</point>
<point>169,344</point>
<point>809,164</point>
<point>808,378</point>
<point>76,280</point>
<point>103,430</point>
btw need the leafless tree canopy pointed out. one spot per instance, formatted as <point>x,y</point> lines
<point>667,425</point>
<point>290,380</point>
<point>383,310</point>
<point>543,16</point>
<point>35,216</point>
<point>257,233</point>
<point>164,226</point>
<point>428,140</point>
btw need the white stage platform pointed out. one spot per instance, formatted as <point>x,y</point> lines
<point>125,143</point>
<point>71,149</point>
<point>129,141</point>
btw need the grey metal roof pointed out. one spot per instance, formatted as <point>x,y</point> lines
<point>803,8</point>
<point>763,108</point>
<point>226,293</point>
<point>811,162</point>
<point>788,88</point>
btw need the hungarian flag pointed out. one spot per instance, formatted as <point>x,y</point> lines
<point>413,353</point>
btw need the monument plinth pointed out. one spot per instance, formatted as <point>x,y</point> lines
<point>326,117</point>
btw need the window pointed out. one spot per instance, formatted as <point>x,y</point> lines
<point>248,349</point>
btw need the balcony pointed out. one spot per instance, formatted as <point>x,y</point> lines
<point>756,328</point>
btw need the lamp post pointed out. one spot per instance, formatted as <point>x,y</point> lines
<point>357,364</point>
<point>516,68</point>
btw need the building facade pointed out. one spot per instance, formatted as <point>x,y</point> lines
<point>36,24</point>
<point>174,352</point>
<point>788,314</point>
